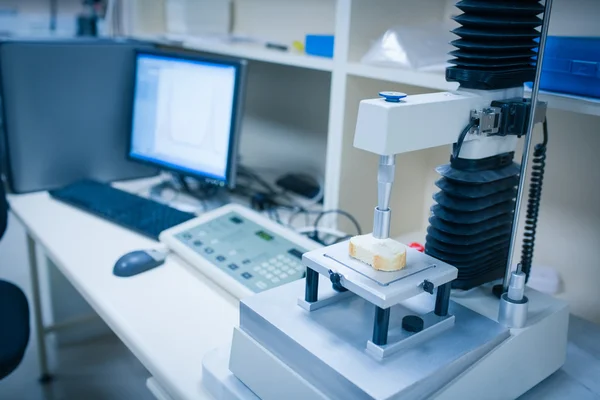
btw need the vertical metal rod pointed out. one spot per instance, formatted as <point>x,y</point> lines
<point>528,141</point>
<point>381,324</point>
<point>442,299</point>
<point>311,289</point>
<point>40,335</point>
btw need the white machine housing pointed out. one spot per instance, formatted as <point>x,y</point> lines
<point>422,121</point>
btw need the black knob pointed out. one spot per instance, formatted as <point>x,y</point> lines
<point>428,286</point>
<point>336,283</point>
<point>412,323</point>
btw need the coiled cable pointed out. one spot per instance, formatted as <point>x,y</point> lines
<point>533,202</point>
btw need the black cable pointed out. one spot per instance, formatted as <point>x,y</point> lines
<point>533,202</point>
<point>462,136</point>
<point>247,172</point>
<point>315,233</point>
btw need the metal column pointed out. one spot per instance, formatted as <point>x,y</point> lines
<point>311,291</point>
<point>381,325</point>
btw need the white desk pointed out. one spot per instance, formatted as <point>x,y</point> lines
<point>171,316</point>
<point>168,317</point>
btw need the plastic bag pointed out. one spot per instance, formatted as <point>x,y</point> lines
<point>414,47</point>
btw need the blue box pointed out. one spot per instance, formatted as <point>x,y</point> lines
<point>319,45</point>
<point>572,65</point>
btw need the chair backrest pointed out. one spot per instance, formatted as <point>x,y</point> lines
<point>3,211</point>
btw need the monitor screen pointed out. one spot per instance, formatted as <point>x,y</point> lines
<point>184,115</point>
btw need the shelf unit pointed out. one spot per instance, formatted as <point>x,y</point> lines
<point>252,51</point>
<point>329,91</point>
<point>572,103</point>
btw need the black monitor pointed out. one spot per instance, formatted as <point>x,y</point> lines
<point>186,114</point>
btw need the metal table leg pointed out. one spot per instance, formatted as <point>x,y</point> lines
<point>40,336</point>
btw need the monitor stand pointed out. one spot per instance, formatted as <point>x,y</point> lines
<point>199,197</point>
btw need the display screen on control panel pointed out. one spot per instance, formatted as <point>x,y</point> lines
<point>250,254</point>
<point>264,235</point>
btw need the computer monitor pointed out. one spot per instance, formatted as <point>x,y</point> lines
<point>186,114</point>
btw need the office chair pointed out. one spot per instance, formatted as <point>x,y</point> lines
<point>14,313</point>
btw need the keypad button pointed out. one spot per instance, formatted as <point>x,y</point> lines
<point>265,264</point>
<point>186,236</point>
<point>197,243</point>
<point>208,250</point>
<point>214,241</point>
<point>283,276</point>
<point>273,260</point>
<point>233,252</point>
<point>246,261</point>
<point>279,264</point>
<point>232,266</point>
<point>247,275</point>
<point>280,273</point>
<point>281,256</point>
<point>290,271</point>
<point>220,258</point>
<point>261,285</point>
<point>275,280</point>
<point>201,233</point>
<point>257,268</point>
<point>268,276</point>
<point>262,272</point>
<point>270,268</point>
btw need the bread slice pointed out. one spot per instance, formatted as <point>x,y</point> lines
<point>381,254</point>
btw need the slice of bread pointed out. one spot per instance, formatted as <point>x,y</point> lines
<point>381,254</point>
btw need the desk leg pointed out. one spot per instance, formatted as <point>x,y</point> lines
<point>40,335</point>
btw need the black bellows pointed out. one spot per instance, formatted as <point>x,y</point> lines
<point>471,222</point>
<point>496,45</point>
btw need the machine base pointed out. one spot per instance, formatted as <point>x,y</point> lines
<point>506,368</point>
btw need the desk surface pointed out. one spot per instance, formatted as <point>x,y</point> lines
<point>171,316</point>
<point>168,317</point>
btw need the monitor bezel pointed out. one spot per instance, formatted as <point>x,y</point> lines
<point>237,109</point>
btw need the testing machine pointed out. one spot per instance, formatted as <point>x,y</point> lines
<point>435,329</point>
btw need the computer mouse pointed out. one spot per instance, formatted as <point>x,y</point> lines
<point>138,261</point>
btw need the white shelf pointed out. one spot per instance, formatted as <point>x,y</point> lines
<point>569,102</point>
<point>253,51</point>
<point>431,80</point>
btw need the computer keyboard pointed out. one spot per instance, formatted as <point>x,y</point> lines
<point>139,214</point>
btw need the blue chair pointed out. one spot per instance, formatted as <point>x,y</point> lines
<point>14,313</point>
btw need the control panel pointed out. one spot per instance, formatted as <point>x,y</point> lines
<point>240,249</point>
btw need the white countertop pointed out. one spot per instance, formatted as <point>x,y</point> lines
<point>168,317</point>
